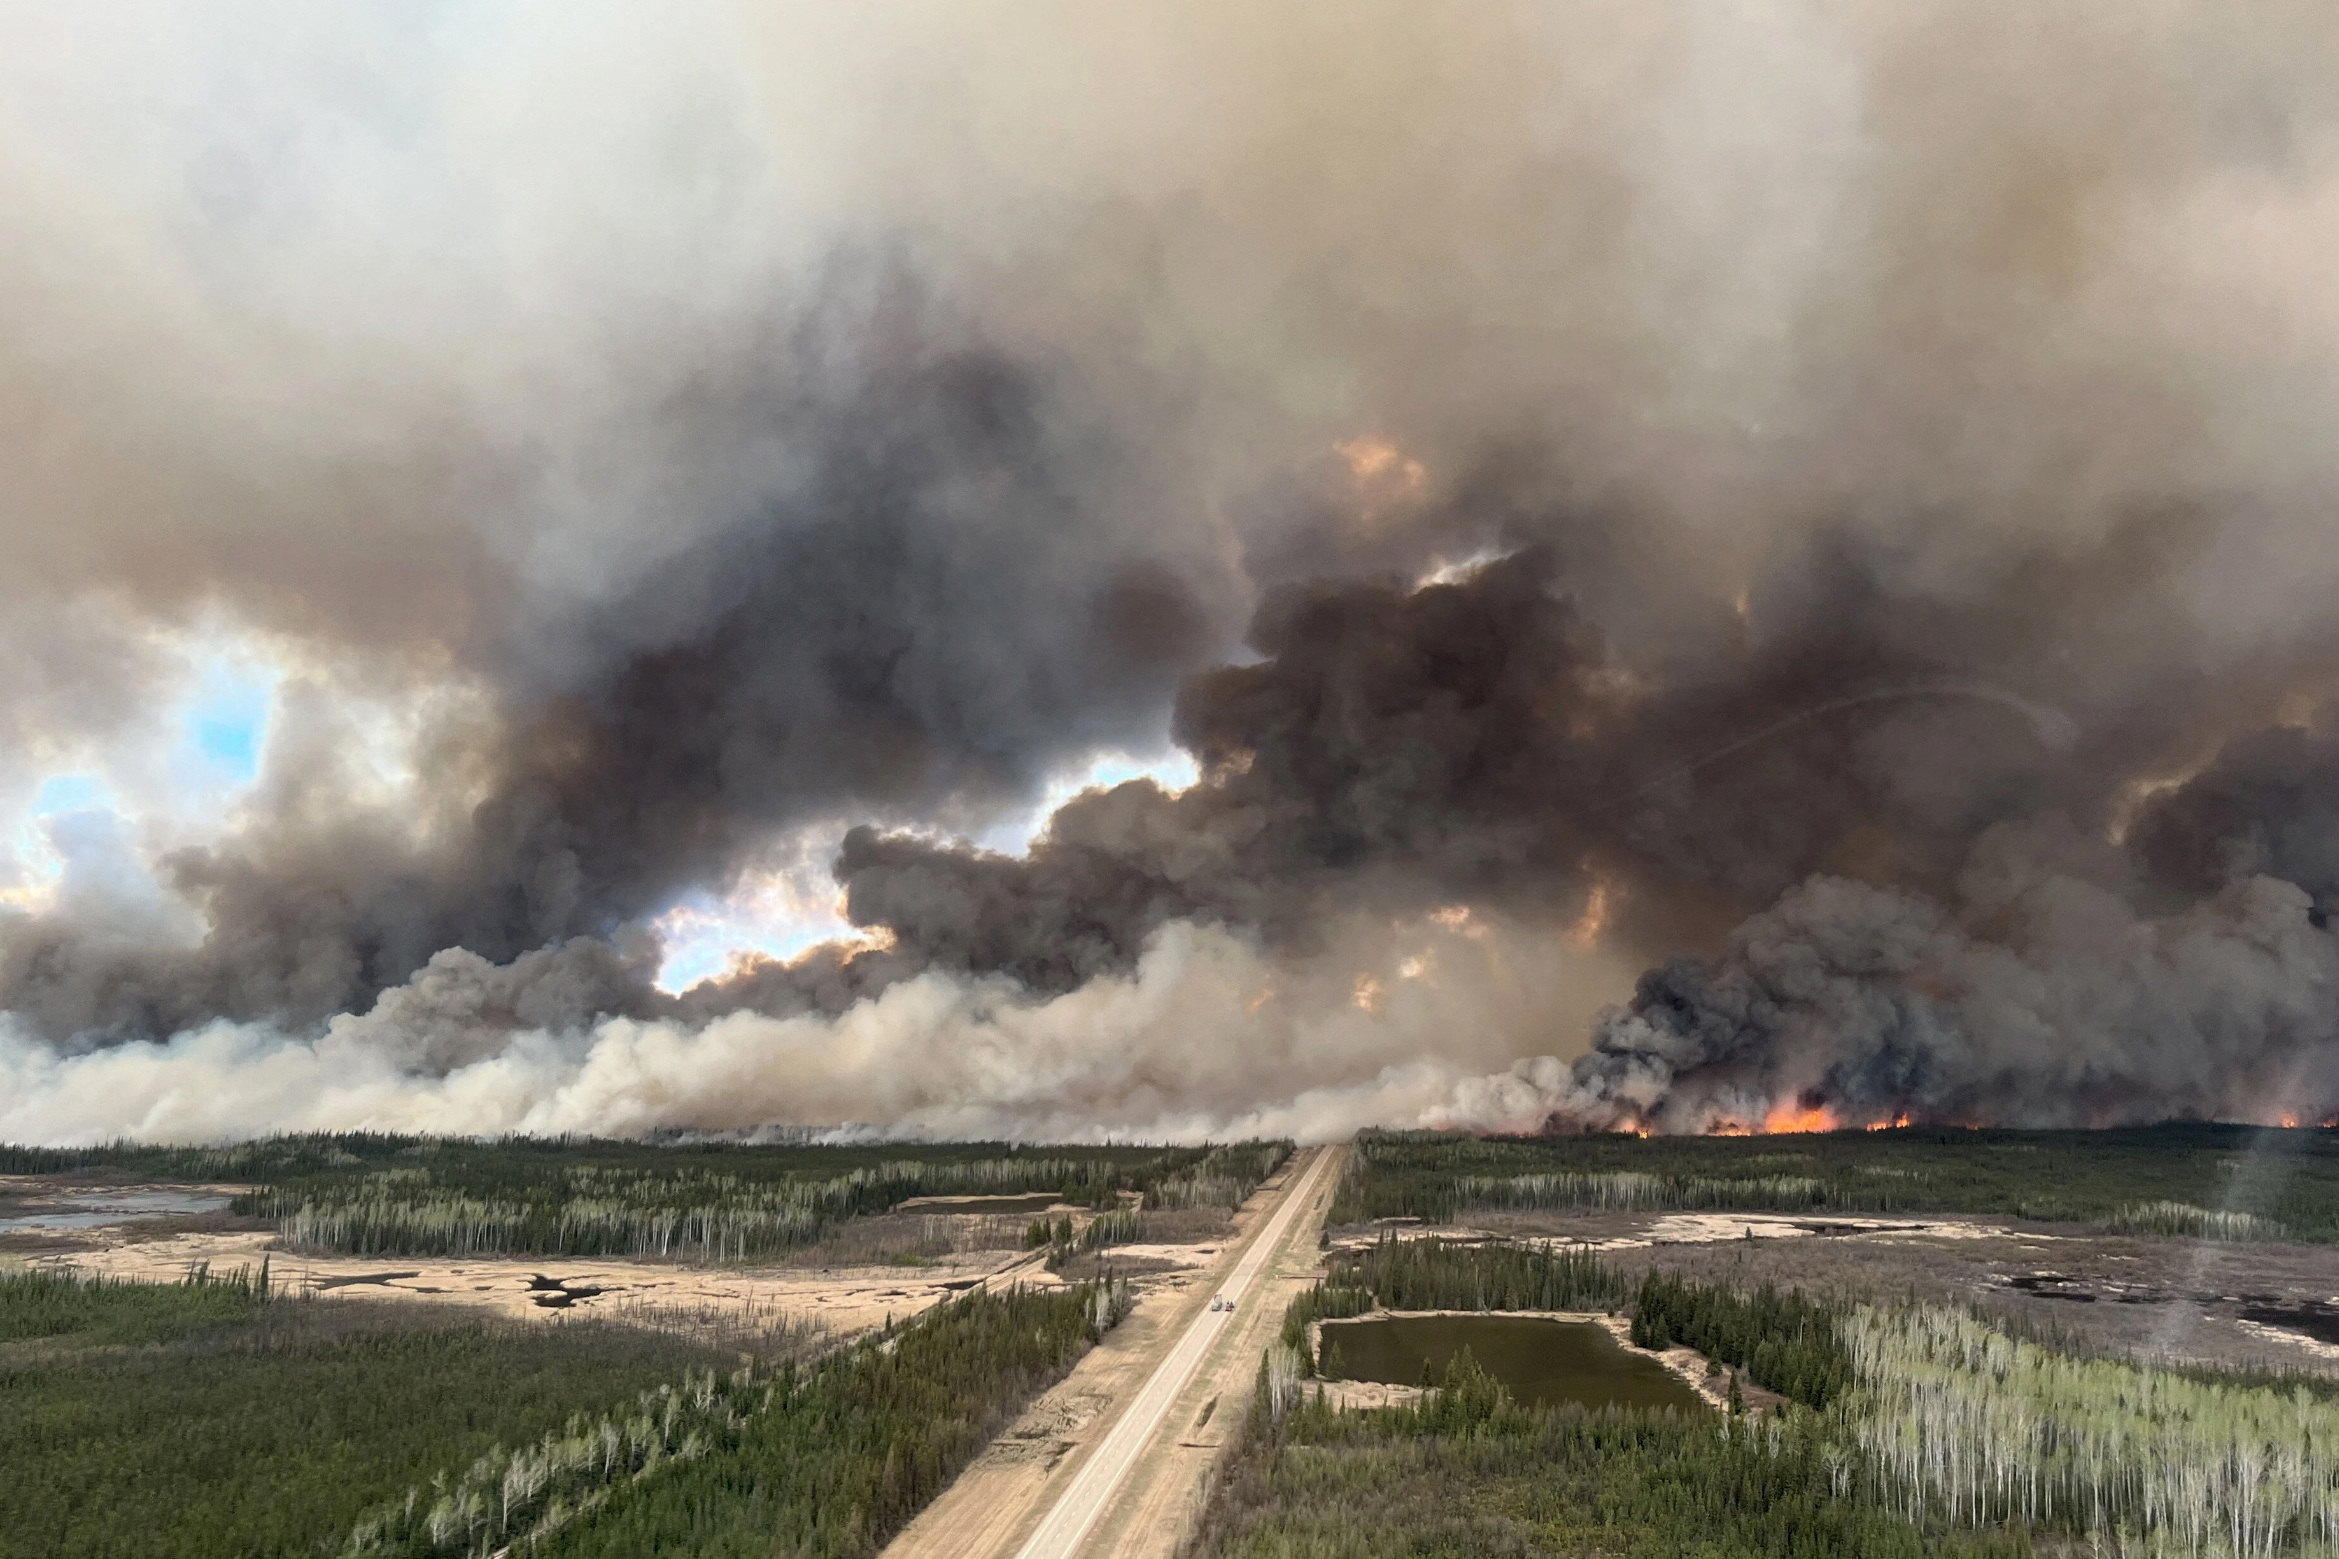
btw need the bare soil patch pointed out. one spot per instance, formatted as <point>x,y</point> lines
<point>2247,1306</point>
<point>725,1302</point>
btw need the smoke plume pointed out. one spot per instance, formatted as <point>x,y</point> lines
<point>1822,510</point>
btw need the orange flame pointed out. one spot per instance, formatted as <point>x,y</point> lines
<point>1790,1118</point>
<point>1785,1119</point>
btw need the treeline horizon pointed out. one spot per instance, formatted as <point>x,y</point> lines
<point>378,1194</point>
<point>2200,1180</point>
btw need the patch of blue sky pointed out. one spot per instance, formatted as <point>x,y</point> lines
<point>702,935</point>
<point>790,912</point>
<point>35,845</point>
<point>1171,768</point>
<point>63,793</point>
<point>225,728</point>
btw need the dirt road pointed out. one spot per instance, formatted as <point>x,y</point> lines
<point>1113,1461</point>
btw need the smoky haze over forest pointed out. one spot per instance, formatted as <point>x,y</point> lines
<point>1714,564</point>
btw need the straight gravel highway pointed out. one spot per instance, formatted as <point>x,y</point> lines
<point>1067,1526</point>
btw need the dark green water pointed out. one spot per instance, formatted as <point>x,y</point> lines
<point>1541,1361</point>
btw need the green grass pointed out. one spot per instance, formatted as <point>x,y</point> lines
<point>2218,1181</point>
<point>195,1422</point>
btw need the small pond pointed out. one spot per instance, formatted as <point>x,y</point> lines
<point>1542,1361</point>
<point>95,1209</point>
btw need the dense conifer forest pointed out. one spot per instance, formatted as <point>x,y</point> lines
<point>1785,1342</point>
<point>209,1420</point>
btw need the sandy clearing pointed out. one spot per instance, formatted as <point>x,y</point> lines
<point>2258,1329</point>
<point>842,1301</point>
<point>1705,1228</point>
<point>1354,1395</point>
<point>1192,1258</point>
<point>1713,1228</point>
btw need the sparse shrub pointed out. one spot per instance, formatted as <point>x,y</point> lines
<point>2186,1221</point>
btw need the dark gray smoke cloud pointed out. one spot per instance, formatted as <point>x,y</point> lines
<point>1481,741</point>
<point>1828,504</point>
<point>2184,969</point>
<point>2267,806</point>
<point>925,613</point>
<point>1998,959</point>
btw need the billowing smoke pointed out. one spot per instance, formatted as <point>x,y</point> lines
<point>1826,505</point>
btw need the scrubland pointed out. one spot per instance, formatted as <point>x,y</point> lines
<point>1922,1392</point>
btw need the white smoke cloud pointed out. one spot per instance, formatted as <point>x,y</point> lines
<point>1206,1038</point>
